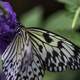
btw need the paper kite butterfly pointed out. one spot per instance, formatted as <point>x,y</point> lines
<point>34,50</point>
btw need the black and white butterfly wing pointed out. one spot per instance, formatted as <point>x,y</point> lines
<point>19,60</point>
<point>57,53</point>
<point>34,50</point>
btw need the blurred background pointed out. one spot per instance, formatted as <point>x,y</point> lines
<point>56,16</point>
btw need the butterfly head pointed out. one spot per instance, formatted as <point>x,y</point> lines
<point>7,18</point>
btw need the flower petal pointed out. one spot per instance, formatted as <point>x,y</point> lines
<point>8,25</point>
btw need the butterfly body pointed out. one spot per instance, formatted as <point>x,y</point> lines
<point>35,50</point>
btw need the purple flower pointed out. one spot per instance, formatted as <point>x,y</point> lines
<point>8,27</point>
<point>8,24</point>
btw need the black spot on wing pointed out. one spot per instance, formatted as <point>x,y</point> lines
<point>60,44</point>
<point>40,48</point>
<point>35,69</point>
<point>47,37</point>
<point>25,77</point>
<point>30,72</point>
<point>18,76</point>
<point>76,51</point>
<point>55,54</point>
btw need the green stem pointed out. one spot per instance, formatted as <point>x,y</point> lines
<point>75,18</point>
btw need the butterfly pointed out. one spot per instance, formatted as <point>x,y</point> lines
<point>35,50</point>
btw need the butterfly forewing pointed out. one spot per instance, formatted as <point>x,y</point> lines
<point>57,52</point>
<point>34,50</point>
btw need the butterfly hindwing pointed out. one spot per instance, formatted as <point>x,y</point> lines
<point>57,52</point>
